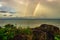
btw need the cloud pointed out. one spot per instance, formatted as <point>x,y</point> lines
<point>46,9</point>
<point>42,11</point>
<point>7,9</point>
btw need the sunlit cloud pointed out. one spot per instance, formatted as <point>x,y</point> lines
<point>42,11</point>
<point>35,8</point>
<point>1,5</point>
<point>50,0</point>
<point>47,10</point>
<point>20,2</point>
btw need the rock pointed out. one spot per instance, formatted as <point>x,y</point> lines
<point>49,28</point>
<point>20,37</point>
<point>43,32</point>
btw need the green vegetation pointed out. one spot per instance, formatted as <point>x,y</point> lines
<point>27,31</point>
<point>7,32</point>
<point>10,31</point>
<point>57,37</point>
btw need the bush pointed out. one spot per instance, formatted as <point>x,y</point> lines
<point>57,37</point>
<point>27,31</point>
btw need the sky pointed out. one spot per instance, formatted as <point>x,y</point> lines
<point>30,8</point>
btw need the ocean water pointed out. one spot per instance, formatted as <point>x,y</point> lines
<point>30,23</point>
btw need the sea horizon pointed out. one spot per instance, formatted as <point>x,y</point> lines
<point>18,18</point>
<point>30,22</point>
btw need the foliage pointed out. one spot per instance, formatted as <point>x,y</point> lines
<point>10,31</point>
<point>7,32</point>
<point>27,31</point>
<point>9,26</point>
<point>57,37</point>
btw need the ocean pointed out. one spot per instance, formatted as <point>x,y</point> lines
<point>30,23</point>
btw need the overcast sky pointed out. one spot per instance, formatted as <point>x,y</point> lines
<point>34,8</point>
<point>48,9</point>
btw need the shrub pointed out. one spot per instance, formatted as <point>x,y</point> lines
<point>57,37</point>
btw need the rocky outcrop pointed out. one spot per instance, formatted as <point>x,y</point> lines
<point>43,32</point>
